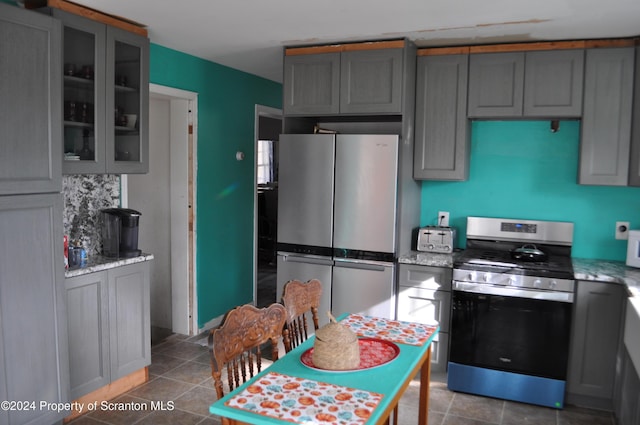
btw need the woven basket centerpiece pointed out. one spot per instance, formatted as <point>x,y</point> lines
<point>336,347</point>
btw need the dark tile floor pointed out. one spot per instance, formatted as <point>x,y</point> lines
<point>180,375</point>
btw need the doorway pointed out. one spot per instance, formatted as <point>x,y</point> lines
<point>268,126</point>
<point>165,197</point>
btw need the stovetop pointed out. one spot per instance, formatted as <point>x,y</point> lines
<point>496,257</point>
<point>487,259</point>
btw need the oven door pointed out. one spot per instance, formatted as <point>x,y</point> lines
<point>511,330</point>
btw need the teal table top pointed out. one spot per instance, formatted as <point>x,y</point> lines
<point>388,379</point>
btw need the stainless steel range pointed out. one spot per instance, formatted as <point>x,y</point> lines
<point>512,300</point>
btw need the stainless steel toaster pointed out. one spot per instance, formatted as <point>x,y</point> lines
<point>436,239</point>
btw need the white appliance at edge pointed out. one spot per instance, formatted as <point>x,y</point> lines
<point>337,199</point>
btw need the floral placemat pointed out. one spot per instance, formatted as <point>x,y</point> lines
<point>306,401</point>
<point>391,330</point>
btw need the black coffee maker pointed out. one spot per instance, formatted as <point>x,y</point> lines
<point>120,232</point>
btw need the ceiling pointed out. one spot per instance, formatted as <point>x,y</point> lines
<point>249,34</point>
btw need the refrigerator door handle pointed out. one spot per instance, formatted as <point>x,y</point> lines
<point>361,264</point>
<point>309,259</point>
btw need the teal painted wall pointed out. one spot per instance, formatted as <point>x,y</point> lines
<point>225,188</point>
<point>519,169</point>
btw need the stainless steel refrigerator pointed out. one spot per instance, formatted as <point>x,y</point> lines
<point>337,203</point>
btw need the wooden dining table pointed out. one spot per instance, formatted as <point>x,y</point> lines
<point>290,391</point>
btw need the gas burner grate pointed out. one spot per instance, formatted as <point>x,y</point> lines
<point>501,262</point>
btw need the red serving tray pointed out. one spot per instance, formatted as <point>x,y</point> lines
<point>374,352</point>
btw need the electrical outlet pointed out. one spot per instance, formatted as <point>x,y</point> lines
<point>622,230</point>
<point>443,218</point>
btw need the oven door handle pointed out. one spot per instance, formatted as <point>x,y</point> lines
<point>506,291</point>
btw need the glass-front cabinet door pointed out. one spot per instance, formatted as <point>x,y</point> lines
<point>106,98</point>
<point>83,77</point>
<point>127,102</point>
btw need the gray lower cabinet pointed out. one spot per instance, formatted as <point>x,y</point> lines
<point>526,84</point>
<point>442,136</point>
<point>30,102</point>
<point>129,319</point>
<point>88,324</point>
<point>34,363</point>
<point>628,409</point>
<point>351,82</point>
<point>109,326</point>
<point>424,296</point>
<point>606,122</point>
<point>595,338</point>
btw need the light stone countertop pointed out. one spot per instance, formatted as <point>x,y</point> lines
<point>583,268</point>
<point>428,258</point>
<point>607,271</point>
<point>98,263</point>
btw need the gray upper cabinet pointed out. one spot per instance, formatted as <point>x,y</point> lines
<point>595,339</point>
<point>30,102</point>
<point>127,102</point>
<point>496,85</point>
<point>352,82</point>
<point>83,108</point>
<point>371,81</point>
<point>312,84</point>
<point>442,128</point>
<point>606,121</point>
<point>526,84</point>
<point>634,165</point>
<point>106,98</point>
<point>553,83</point>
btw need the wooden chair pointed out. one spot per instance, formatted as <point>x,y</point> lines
<point>299,299</point>
<point>237,342</point>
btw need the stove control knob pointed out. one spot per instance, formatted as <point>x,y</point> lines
<point>552,284</point>
<point>485,277</point>
<point>430,247</point>
<point>511,281</point>
<point>537,283</point>
<point>470,277</point>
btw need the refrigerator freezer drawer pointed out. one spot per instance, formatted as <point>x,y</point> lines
<point>290,266</point>
<point>367,289</point>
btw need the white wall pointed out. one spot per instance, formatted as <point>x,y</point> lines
<point>150,194</point>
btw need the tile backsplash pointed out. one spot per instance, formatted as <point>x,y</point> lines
<point>84,196</point>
